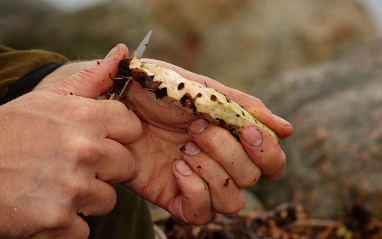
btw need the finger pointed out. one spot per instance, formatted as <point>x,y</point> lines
<point>226,197</point>
<point>105,159</point>
<point>94,81</point>
<point>214,140</point>
<point>282,128</point>
<point>264,150</point>
<point>78,229</point>
<point>96,198</point>
<point>121,124</point>
<point>193,204</point>
<point>252,104</point>
<point>104,119</point>
<point>117,164</point>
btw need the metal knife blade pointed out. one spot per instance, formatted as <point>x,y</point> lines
<point>142,47</point>
<point>120,85</point>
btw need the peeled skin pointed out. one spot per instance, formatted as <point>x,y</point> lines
<point>189,95</point>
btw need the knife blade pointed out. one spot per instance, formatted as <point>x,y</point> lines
<point>142,46</point>
<point>120,85</point>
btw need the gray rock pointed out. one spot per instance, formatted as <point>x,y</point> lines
<point>335,153</point>
<point>240,43</point>
<point>244,43</point>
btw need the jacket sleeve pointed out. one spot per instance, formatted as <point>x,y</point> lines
<point>16,64</point>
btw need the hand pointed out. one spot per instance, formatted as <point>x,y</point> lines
<point>161,174</point>
<point>59,150</point>
<point>213,167</point>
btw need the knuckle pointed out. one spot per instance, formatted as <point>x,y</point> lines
<point>116,108</point>
<point>76,188</point>
<point>98,204</point>
<point>55,217</point>
<point>82,151</point>
<point>81,110</point>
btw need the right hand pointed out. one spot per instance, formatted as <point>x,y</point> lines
<point>59,151</point>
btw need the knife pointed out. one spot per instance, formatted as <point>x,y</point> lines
<point>115,93</point>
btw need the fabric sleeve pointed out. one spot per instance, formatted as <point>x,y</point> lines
<point>15,64</point>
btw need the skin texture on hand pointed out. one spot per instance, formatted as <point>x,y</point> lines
<point>59,151</point>
<point>186,165</point>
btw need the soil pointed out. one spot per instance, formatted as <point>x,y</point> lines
<point>286,221</point>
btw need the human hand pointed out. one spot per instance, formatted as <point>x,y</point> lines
<point>59,150</point>
<point>213,167</point>
<point>165,131</point>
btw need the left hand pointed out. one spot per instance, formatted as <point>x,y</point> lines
<point>213,167</point>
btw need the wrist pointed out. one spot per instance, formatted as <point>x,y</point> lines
<point>63,72</point>
<point>27,82</point>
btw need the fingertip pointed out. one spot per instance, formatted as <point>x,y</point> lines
<point>117,52</point>
<point>182,168</point>
<point>251,135</point>
<point>268,156</point>
<point>194,203</point>
<point>285,128</point>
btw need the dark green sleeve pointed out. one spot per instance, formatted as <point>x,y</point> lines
<point>15,64</point>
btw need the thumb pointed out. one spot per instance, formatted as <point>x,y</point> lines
<point>96,80</point>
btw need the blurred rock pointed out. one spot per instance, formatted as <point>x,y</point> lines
<point>335,153</point>
<point>23,15</point>
<point>241,43</point>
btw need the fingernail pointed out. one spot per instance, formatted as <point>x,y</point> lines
<point>281,120</point>
<point>198,126</point>
<point>252,136</point>
<point>183,168</point>
<point>112,52</point>
<point>190,148</point>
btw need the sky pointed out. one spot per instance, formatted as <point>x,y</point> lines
<point>373,6</point>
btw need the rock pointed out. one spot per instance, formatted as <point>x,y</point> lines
<point>335,153</point>
<point>252,203</point>
<point>244,43</point>
<point>240,43</point>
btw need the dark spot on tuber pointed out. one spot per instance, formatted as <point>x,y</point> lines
<point>220,122</point>
<point>188,101</point>
<point>181,86</point>
<point>160,93</point>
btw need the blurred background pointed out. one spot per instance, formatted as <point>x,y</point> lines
<point>316,63</point>
<point>237,42</point>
